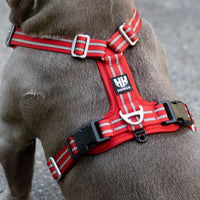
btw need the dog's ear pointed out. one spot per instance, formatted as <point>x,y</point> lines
<point>21,10</point>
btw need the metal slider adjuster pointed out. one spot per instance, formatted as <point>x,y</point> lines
<point>176,111</point>
<point>53,162</point>
<point>86,46</point>
<point>126,37</point>
<point>10,35</point>
<point>86,139</point>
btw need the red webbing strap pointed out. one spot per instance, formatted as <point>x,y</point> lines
<point>62,161</point>
<point>193,126</point>
<point>115,72</point>
<point>96,48</point>
<point>112,124</point>
<point>82,44</point>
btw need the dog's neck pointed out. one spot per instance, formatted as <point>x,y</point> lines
<point>99,19</point>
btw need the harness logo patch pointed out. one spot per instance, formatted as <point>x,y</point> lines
<point>121,84</point>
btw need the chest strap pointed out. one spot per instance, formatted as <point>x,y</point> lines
<point>130,116</point>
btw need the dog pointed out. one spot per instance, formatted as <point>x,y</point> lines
<point>48,95</point>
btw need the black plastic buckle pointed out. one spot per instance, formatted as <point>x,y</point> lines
<point>10,35</point>
<point>176,113</point>
<point>140,135</point>
<point>86,139</point>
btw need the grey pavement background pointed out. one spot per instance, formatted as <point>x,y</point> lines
<point>177,24</point>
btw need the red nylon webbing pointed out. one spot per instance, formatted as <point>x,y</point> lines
<point>112,124</point>
<point>62,45</point>
<point>121,89</point>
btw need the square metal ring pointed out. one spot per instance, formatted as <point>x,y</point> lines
<point>86,46</point>
<point>126,37</point>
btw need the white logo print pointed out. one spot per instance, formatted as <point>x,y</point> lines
<point>121,82</point>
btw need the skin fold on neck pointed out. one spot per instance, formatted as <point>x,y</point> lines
<point>99,19</point>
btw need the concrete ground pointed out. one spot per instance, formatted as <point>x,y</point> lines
<point>177,24</point>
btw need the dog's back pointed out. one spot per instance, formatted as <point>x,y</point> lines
<point>49,95</point>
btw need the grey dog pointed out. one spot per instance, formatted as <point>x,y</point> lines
<point>48,95</point>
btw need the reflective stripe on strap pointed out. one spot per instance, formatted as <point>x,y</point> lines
<point>62,161</point>
<point>96,48</point>
<point>113,127</point>
<point>127,102</point>
<point>193,126</point>
<point>127,35</point>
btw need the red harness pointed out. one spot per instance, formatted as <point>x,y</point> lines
<point>129,116</point>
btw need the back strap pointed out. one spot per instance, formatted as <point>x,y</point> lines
<point>115,128</point>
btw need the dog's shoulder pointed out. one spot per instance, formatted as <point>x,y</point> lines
<point>20,93</point>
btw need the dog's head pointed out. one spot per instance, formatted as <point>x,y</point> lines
<point>68,17</point>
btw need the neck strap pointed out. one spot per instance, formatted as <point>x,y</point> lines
<point>81,46</point>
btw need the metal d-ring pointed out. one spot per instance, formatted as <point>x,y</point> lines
<point>129,115</point>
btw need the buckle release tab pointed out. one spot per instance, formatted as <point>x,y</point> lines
<point>177,113</point>
<point>86,139</point>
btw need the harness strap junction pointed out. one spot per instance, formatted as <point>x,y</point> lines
<point>130,116</point>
